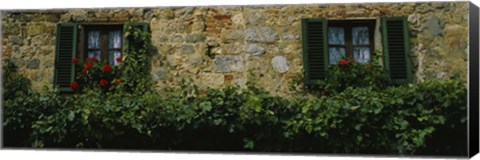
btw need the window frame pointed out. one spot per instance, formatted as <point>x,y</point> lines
<point>104,29</point>
<point>348,25</point>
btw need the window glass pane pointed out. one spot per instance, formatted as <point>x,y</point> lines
<point>114,39</point>
<point>361,54</point>
<point>112,57</point>
<point>336,36</point>
<point>360,35</point>
<point>336,53</point>
<point>94,39</point>
<point>92,54</point>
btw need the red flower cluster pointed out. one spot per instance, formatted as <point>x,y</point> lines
<point>93,59</point>
<point>119,59</point>
<point>343,62</point>
<point>103,82</point>
<point>73,85</point>
<point>87,66</point>
<point>106,68</point>
<point>75,60</point>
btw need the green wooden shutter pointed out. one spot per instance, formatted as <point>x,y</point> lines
<point>315,50</point>
<point>66,46</point>
<point>396,49</point>
<point>129,41</point>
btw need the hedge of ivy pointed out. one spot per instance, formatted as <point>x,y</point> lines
<point>425,118</point>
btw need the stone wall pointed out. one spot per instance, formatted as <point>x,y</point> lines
<point>234,45</point>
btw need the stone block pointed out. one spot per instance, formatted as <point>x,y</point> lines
<point>176,38</point>
<point>194,38</point>
<point>33,64</point>
<point>224,64</point>
<point>235,34</point>
<point>186,49</point>
<point>280,64</point>
<point>161,74</point>
<point>254,17</point>
<point>79,15</point>
<point>434,26</point>
<point>255,49</point>
<point>260,34</point>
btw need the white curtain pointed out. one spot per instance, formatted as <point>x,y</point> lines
<point>361,54</point>
<point>94,43</point>
<point>335,54</point>
<point>115,39</point>
<point>360,35</point>
<point>114,42</point>
<point>336,36</point>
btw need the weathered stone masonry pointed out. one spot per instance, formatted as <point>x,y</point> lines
<point>232,45</point>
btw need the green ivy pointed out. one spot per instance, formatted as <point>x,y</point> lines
<point>135,57</point>
<point>358,111</point>
<point>407,119</point>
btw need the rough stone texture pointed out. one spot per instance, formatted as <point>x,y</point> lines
<point>255,49</point>
<point>225,64</point>
<point>254,17</point>
<point>280,64</point>
<point>234,34</point>
<point>260,34</point>
<point>187,49</point>
<point>33,64</point>
<point>221,46</point>
<point>194,38</point>
<point>16,40</point>
<point>210,80</point>
<point>433,26</point>
<point>160,75</point>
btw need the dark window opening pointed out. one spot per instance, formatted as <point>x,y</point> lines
<point>350,38</point>
<point>103,42</point>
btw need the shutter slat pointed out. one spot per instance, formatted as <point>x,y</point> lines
<point>65,51</point>
<point>396,47</point>
<point>314,49</point>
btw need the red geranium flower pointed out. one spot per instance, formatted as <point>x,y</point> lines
<point>119,59</point>
<point>103,82</point>
<point>87,66</point>
<point>75,60</point>
<point>73,85</point>
<point>343,62</point>
<point>94,59</point>
<point>106,68</point>
<point>87,60</point>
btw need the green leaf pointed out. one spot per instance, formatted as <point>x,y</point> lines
<point>71,115</point>
<point>358,127</point>
<point>248,144</point>
<point>355,107</point>
<point>359,138</point>
<point>206,106</point>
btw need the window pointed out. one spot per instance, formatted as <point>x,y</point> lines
<point>105,42</point>
<point>350,38</point>
<point>326,41</point>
